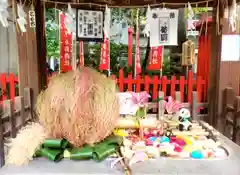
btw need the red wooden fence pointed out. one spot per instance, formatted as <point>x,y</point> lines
<point>154,84</point>
<point>5,82</point>
<point>150,84</point>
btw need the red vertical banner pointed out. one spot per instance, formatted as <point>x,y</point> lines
<point>65,46</point>
<point>81,59</point>
<point>104,58</point>
<point>130,39</point>
<point>155,62</point>
<point>137,54</point>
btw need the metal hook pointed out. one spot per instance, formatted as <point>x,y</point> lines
<point>163,4</point>
<point>90,5</point>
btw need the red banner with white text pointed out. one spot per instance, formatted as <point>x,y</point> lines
<point>104,57</point>
<point>81,60</point>
<point>155,62</point>
<point>65,46</point>
<point>130,38</point>
<point>137,54</point>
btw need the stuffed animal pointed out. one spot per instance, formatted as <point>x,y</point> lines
<point>184,119</point>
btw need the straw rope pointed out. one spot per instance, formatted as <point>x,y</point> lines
<point>127,6</point>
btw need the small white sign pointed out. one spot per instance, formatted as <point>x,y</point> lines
<point>192,33</point>
<point>230,48</point>
<point>127,106</point>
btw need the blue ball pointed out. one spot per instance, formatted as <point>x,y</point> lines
<point>153,139</point>
<point>164,139</point>
<point>197,154</point>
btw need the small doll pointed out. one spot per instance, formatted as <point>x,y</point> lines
<point>185,121</point>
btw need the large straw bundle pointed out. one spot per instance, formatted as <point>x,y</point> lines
<point>80,106</point>
<point>22,148</point>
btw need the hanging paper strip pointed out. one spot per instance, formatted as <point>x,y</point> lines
<point>130,38</point>
<point>65,46</point>
<point>81,59</point>
<point>104,58</point>
<point>137,54</point>
<point>155,62</point>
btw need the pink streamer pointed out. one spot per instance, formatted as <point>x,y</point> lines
<point>141,98</point>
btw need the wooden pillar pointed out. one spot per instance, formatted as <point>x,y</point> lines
<point>215,60</point>
<point>41,45</point>
<point>27,59</point>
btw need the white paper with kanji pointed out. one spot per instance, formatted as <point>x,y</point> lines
<point>89,24</point>
<point>163,27</point>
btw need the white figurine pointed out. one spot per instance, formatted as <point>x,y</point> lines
<point>184,119</point>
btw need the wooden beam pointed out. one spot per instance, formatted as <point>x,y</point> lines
<point>27,59</point>
<point>215,60</point>
<point>41,45</point>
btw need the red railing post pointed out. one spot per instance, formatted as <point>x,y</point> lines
<point>130,82</point>
<point>164,85</point>
<point>12,86</point>
<point>146,83</point>
<point>199,88</point>
<point>155,88</point>
<point>138,83</point>
<point>3,82</point>
<point>181,87</point>
<point>173,86</point>
<point>190,86</point>
<point>121,80</point>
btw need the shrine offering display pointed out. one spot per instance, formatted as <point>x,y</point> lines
<point>82,117</point>
<point>90,25</point>
<point>175,136</point>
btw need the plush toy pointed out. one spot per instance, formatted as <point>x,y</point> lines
<point>184,119</point>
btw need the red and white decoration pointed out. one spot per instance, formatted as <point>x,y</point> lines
<point>81,59</point>
<point>104,58</point>
<point>137,54</point>
<point>155,62</point>
<point>130,38</point>
<point>65,46</point>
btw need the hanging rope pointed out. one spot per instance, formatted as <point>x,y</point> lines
<point>217,18</point>
<point>206,29</point>
<point>116,6</point>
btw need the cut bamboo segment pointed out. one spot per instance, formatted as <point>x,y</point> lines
<point>133,123</point>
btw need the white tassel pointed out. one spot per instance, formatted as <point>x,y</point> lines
<point>233,15</point>
<point>70,16</point>
<point>190,17</point>
<point>4,13</point>
<point>146,30</point>
<point>107,20</point>
<point>21,18</point>
<point>190,11</point>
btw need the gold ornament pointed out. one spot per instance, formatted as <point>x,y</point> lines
<point>188,53</point>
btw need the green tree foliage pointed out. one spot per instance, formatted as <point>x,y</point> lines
<point>117,51</point>
<point>52,33</point>
<point>128,15</point>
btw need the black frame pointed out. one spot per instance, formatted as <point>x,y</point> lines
<point>90,39</point>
